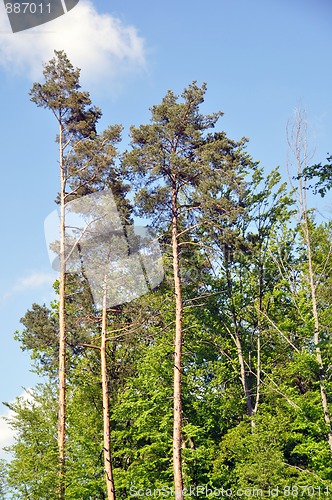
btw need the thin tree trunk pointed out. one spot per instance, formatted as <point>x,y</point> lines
<point>106,411</point>
<point>177,427</point>
<point>237,341</point>
<point>259,329</point>
<point>62,329</point>
<point>298,143</point>
<point>323,396</point>
<point>243,372</point>
<point>258,384</point>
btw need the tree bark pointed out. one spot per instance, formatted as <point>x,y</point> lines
<point>238,344</point>
<point>243,375</point>
<point>259,331</point>
<point>298,144</point>
<point>323,396</point>
<point>258,374</point>
<point>177,427</point>
<point>62,327</point>
<point>106,411</point>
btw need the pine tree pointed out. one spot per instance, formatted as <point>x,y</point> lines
<point>61,94</point>
<point>188,176</point>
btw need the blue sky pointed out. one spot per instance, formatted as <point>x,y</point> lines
<point>260,59</point>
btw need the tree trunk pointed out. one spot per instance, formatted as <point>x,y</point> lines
<point>298,144</point>
<point>237,341</point>
<point>106,412</point>
<point>62,327</point>
<point>258,374</point>
<point>259,330</point>
<point>177,427</point>
<point>243,375</point>
<point>325,408</point>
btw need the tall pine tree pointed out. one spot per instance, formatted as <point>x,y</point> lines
<point>187,178</point>
<point>76,117</point>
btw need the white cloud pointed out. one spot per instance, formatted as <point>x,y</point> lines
<point>33,281</point>
<point>7,434</point>
<point>100,44</point>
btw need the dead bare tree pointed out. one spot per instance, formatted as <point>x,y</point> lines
<point>297,137</point>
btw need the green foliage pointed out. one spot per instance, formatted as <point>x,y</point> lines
<point>35,422</point>
<point>62,95</point>
<point>40,336</point>
<point>324,175</point>
<point>3,479</point>
<point>177,151</point>
<point>246,298</point>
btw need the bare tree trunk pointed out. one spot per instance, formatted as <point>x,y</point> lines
<point>106,411</point>
<point>237,340</point>
<point>243,376</point>
<point>62,327</point>
<point>177,427</point>
<point>258,374</point>
<point>298,144</point>
<point>323,396</point>
<point>259,331</point>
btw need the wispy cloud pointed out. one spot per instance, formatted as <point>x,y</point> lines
<point>100,44</point>
<point>33,281</point>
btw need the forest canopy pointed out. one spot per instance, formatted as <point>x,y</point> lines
<point>218,377</point>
